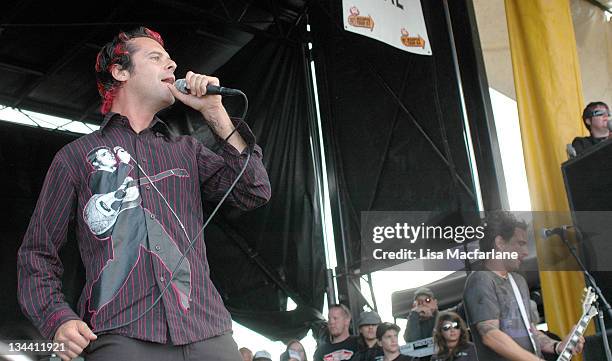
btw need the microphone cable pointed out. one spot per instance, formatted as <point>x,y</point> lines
<point>191,242</point>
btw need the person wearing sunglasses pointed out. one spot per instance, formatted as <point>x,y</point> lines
<point>595,117</point>
<point>422,318</point>
<point>451,339</point>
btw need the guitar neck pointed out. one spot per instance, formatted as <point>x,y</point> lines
<point>155,178</point>
<point>577,332</point>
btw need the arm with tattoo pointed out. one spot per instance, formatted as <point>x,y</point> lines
<point>485,327</point>
<point>546,343</point>
<point>501,343</point>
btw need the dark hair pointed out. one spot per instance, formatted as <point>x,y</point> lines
<point>587,113</point>
<point>285,355</point>
<point>117,52</point>
<point>384,327</point>
<point>499,223</point>
<point>344,309</point>
<point>440,341</point>
<point>92,156</point>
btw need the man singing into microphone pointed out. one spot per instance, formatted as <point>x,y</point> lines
<point>595,117</point>
<point>163,305</point>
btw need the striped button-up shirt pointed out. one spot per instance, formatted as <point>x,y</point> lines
<point>137,202</point>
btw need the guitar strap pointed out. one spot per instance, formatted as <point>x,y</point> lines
<point>521,305</point>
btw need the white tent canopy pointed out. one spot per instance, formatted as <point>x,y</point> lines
<point>593,29</point>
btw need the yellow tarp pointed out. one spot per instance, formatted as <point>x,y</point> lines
<point>549,97</point>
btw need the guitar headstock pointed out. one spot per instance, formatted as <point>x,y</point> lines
<point>589,297</point>
<point>180,173</point>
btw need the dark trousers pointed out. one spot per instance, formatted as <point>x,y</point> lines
<point>121,348</point>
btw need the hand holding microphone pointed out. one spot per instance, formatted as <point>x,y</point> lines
<point>202,85</point>
<point>181,85</point>
<point>203,93</point>
<point>192,91</point>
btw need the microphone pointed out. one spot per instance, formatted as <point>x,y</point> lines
<point>610,124</point>
<point>559,231</point>
<point>181,85</point>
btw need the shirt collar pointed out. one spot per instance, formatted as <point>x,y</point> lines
<point>157,126</point>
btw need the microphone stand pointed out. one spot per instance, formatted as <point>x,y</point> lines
<point>602,301</point>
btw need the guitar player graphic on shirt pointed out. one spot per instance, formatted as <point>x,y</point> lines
<point>114,211</point>
<point>102,209</point>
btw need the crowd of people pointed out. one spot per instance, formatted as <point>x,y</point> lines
<point>496,312</point>
<point>379,341</point>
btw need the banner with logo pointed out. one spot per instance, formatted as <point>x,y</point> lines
<point>399,23</point>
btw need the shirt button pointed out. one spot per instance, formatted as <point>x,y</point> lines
<point>152,216</point>
<point>157,247</point>
<point>148,187</point>
<point>162,279</point>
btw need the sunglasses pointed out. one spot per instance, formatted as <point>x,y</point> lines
<point>448,326</point>
<point>597,113</point>
<point>423,301</point>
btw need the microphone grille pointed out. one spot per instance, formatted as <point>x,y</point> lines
<point>181,85</point>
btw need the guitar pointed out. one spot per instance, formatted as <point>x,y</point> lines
<point>588,311</point>
<point>101,211</point>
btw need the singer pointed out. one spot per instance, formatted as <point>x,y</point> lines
<point>135,190</point>
<point>595,117</point>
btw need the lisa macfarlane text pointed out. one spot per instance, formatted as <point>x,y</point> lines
<point>448,254</point>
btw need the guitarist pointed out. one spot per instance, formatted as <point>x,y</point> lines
<point>124,311</point>
<point>502,328</point>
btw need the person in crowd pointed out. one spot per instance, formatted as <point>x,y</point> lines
<point>262,355</point>
<point>369,350</point>
<point>451,339</point>
<point>422,318</point>
<point>387,336</point>
<point>294,352</point>
<point>341,345</point>
<point>247,354</point>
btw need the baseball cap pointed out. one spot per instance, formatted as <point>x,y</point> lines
<point>262,355</point>
<point>369,318</point>
<point>423,291</point>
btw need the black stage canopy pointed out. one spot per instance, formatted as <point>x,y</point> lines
<point>392,129</point>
